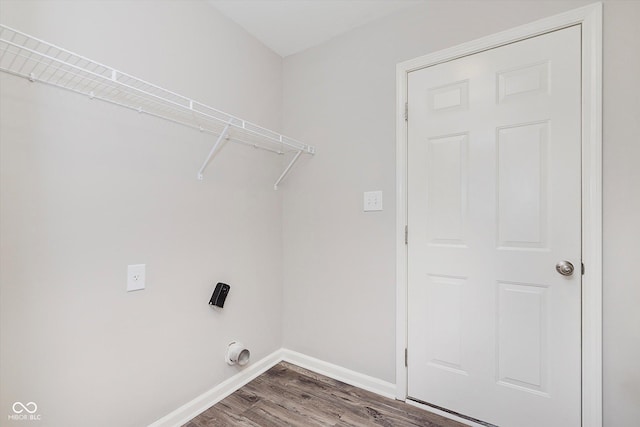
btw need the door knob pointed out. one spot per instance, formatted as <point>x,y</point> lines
<point>565,268</point>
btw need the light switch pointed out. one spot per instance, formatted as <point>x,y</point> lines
<point>135,277</point>
<point>372,201</point>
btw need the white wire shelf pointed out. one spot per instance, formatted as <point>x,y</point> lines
<point>39,61</point>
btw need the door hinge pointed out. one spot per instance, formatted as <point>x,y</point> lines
<point>406,357</point>
<point>582,269</point>
<point>406,111</point>
<point>406,234</point>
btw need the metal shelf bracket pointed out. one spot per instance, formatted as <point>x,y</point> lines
<point>223,135</point>
<point>287,169</point>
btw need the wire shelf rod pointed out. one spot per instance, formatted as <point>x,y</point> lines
<point>39,61</point>
<point>185,103</point>
<point>243,126</point>
<point>182,123</point>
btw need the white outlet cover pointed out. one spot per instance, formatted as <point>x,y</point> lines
<point>372,201</point>
<point>136,275</point>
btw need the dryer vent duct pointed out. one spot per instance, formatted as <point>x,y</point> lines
<point>237,354</point>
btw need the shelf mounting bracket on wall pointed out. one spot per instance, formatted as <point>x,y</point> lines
<point>223,135</point>
<point>38,61</point>
<point>287,169</point>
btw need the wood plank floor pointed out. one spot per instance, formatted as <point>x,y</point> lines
<point>287,395</point>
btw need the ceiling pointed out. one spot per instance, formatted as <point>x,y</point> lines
<point>291,26</point>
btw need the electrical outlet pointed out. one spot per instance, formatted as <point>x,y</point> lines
<point>372,201</point>
<point>135,277</point>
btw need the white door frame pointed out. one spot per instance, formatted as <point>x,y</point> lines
<point>590,17</point>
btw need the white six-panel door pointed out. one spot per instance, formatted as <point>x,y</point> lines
<point>494,199</point>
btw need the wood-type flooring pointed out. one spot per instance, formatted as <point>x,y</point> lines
<point>287,395</point>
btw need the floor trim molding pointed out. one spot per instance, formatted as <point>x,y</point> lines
<point>191,409</point>
<point>339,373</point>
<point>209,398</point>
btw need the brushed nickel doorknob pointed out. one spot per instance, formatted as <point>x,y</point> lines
<point>565,268</point>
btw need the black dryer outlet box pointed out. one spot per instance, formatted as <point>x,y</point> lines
<point>219,294</point>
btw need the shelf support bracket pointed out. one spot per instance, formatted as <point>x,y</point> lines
<point>223,135</point>
<point>287,169</point>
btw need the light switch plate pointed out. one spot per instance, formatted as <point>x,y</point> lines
<point>372,201</point>
<point>136,277</point>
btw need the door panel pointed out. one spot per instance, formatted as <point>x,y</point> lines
<point>493,204</point>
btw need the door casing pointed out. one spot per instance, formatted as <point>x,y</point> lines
<point>590,19</point>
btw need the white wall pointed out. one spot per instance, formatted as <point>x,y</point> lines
<point>621,231</point>
<point>339,275</point>
<point>88,188</point>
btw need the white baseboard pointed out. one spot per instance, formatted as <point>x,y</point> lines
<point>190,410</point>
<point>339,373</point>
<point>201,403</point>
